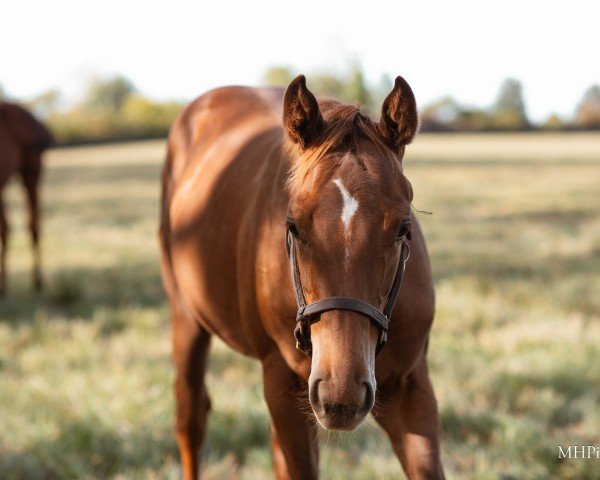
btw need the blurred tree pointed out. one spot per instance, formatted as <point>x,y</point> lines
<point>474,120</point>
<point>108,94</point>
<point>326,85</point>
<point>441,115</point>
<point>380,92</point>
<point>2,93</point>
<point>587,114</point>
<point>144,118</point>
<point>509,109</point>
<point>355,90</point>
<point>278,76</point>
<point>554,122</point>
<point>45,104</point>
<point>351,89</point>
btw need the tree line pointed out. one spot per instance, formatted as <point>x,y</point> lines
<point>508,113</point>
<point>112,109</point>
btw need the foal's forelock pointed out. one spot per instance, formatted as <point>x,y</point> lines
<point>346,128</point>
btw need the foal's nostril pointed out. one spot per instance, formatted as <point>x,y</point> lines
<point>313,394</point>
<point>369,398</point>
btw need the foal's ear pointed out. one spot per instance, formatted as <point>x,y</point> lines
<point>302,118</point>
<point>399,121</point>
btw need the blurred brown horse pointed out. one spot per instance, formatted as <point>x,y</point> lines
<point>238,181</point>
<point>23,139</point>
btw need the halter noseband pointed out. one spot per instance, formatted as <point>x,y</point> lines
<point>308,314</point>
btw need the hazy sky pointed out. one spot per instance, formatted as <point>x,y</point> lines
<point>178,49</point>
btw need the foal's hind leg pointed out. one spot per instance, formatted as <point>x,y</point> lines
<point>293,436</point>
<point>3,246</point>
<point>30,174</point>
<point>190,350</point>
<point>409,415</point>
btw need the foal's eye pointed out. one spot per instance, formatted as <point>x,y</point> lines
<point>293,228</point>
<point>404,231</point>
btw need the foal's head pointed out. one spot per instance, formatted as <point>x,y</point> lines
<point>349,212</point>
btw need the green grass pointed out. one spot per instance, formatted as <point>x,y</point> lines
<point>85,370</point>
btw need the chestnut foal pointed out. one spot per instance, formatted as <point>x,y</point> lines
<point>275,227</point>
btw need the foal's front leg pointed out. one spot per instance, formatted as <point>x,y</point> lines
<point>409,415</point>
<point>293,435</point>
<point>190,351</point>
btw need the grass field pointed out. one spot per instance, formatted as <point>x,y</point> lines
<point>85,371</point>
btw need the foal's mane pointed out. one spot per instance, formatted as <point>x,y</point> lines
<point>345,125</point>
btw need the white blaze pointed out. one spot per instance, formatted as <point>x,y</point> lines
<point>350,204</point>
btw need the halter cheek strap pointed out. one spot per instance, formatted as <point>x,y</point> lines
<point>309,314</point>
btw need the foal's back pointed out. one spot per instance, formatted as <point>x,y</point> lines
<point>220,158</point>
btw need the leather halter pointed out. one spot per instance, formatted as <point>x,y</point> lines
<point>309,314</point>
